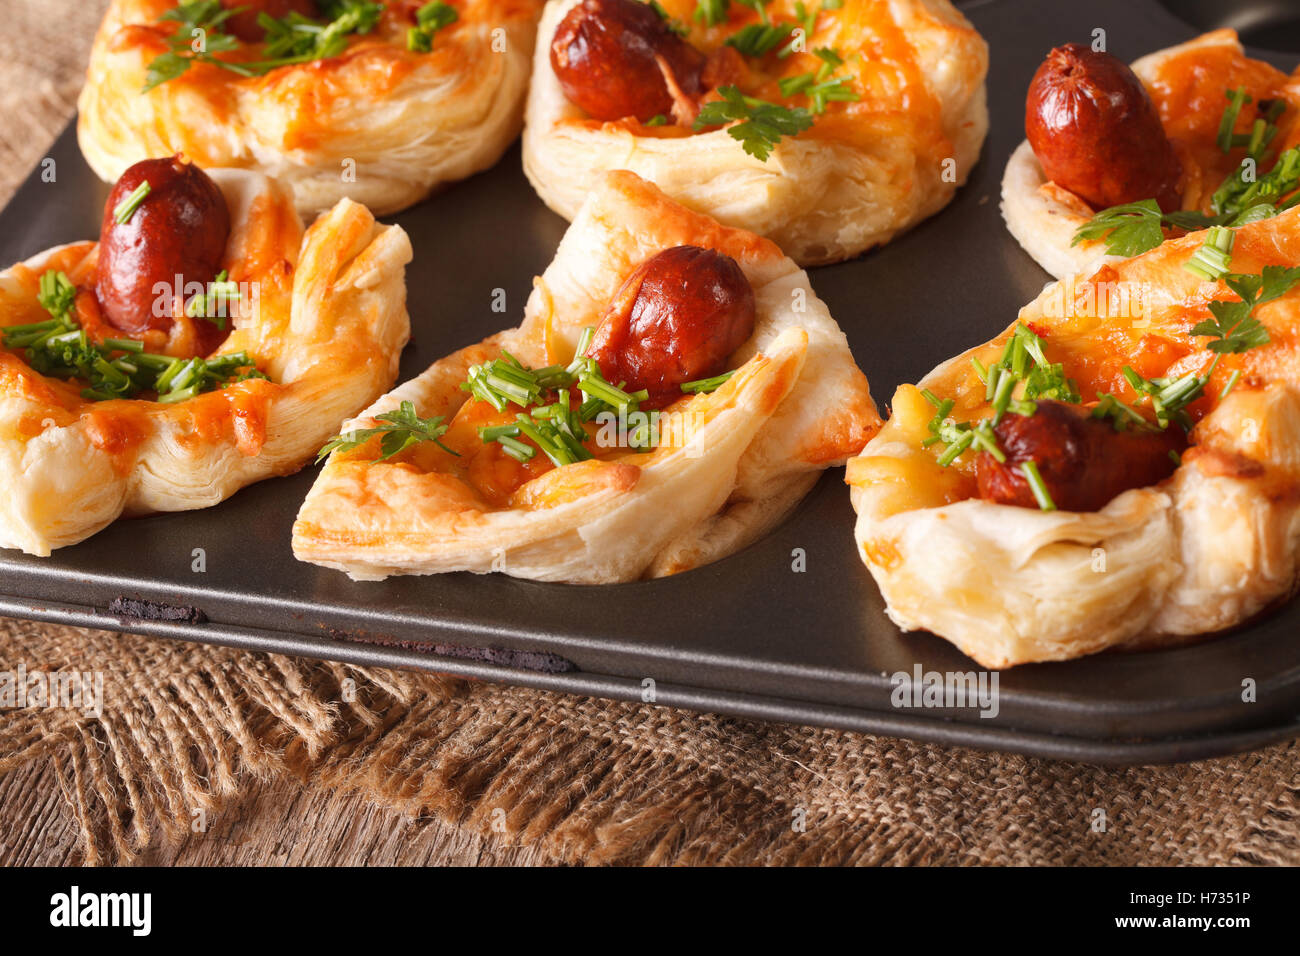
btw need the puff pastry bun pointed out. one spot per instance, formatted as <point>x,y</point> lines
<point>864,172</point>
<point>378,123</point>
<point>1186,84</point>
<point>796,405</point>
<point>1209,547</point>
<point>326,328</point>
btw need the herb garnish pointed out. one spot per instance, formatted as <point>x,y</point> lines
<point>430,18</point>
<point>1133,228</point>
<point>292,39</point>
<point>211,304</point>
<point>551,415</point>
<point>401,429</point>
<point>821,90</point>
<point>60,348</point>
<point>759,39</point>
<point>1213,258</point>
<point>1022,360</point>
<point>762,123</point>
<point>1232,329</point>
<point>707,384</point>
<point>711,12</point>
<point>124,210</point>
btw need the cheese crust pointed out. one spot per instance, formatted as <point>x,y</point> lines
<point>1186,83</point>
<point>730,464</point>
<point>326,322</point>
<point>1208,548</point>
<point>865,172</point>
<point>378,124</point>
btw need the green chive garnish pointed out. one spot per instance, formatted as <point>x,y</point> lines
<point>1036,484</point>
<point>124,210</point>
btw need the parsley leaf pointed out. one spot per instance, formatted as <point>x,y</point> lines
<point>1233,326</point>
<point>291,39</point>
<point>1129,230</point>
<point>762,124</point>
<point>198,20</point>
<point>401,429</point>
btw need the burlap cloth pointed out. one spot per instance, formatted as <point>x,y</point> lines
<point>188,727</point>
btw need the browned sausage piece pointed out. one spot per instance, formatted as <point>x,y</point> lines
<point>676,319</point>
<point>1096,133</point>
<point>1084,461</point>
<point>244,24</point>
<point>606,55</point>
<point>179,229</point>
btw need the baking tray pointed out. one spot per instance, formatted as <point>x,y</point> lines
<point>748,635</point>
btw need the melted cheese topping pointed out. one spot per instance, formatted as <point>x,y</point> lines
<point>1188,92</point>
<point>497,481</point>
<point>895,101</point>
<point>1088,328</point>
<point>262,256</point>
<point>309,94</point>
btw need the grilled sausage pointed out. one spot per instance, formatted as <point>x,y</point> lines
<point>1084,461</point>
<point>179,229</point>
<point>607,55</point>
<point>244,24</point>
<point>676,319</point>
<point>1095,131</point>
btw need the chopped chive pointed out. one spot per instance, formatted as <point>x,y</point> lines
<point>955,448</point>
<point>1211,260</point>
<point>1236,100</point>
<point>124,210</point>
<point>493,432</point>
<point>603,390</point>
<point>516,449</point>
<point>153,361</point>
<point>124,345</point>
<point>165,379</point>
<point>557,453</point>
<point>705,384</point>
<point>179,395</point>
<point>1002,397</point>
<point>579,357</point>
<point>1232,381</point>
<point>1036,484</point>
<point>32,327</point>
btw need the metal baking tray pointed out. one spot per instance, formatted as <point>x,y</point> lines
<point>748,635</point>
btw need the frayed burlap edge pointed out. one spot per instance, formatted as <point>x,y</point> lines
<point>190,730</point>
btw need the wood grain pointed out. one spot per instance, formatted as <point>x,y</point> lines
<point>283,823</point>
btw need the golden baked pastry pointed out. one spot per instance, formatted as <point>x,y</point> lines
<point>1148,489</point>
<point>385,117</point>
<point>1186,133</point>
<point>889,98</point>
<point>713,328</point>
<point>111,409</point>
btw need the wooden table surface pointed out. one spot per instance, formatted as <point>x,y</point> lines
<point>283,823</point>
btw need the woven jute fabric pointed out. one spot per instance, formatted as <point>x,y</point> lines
<point>186,728</point>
